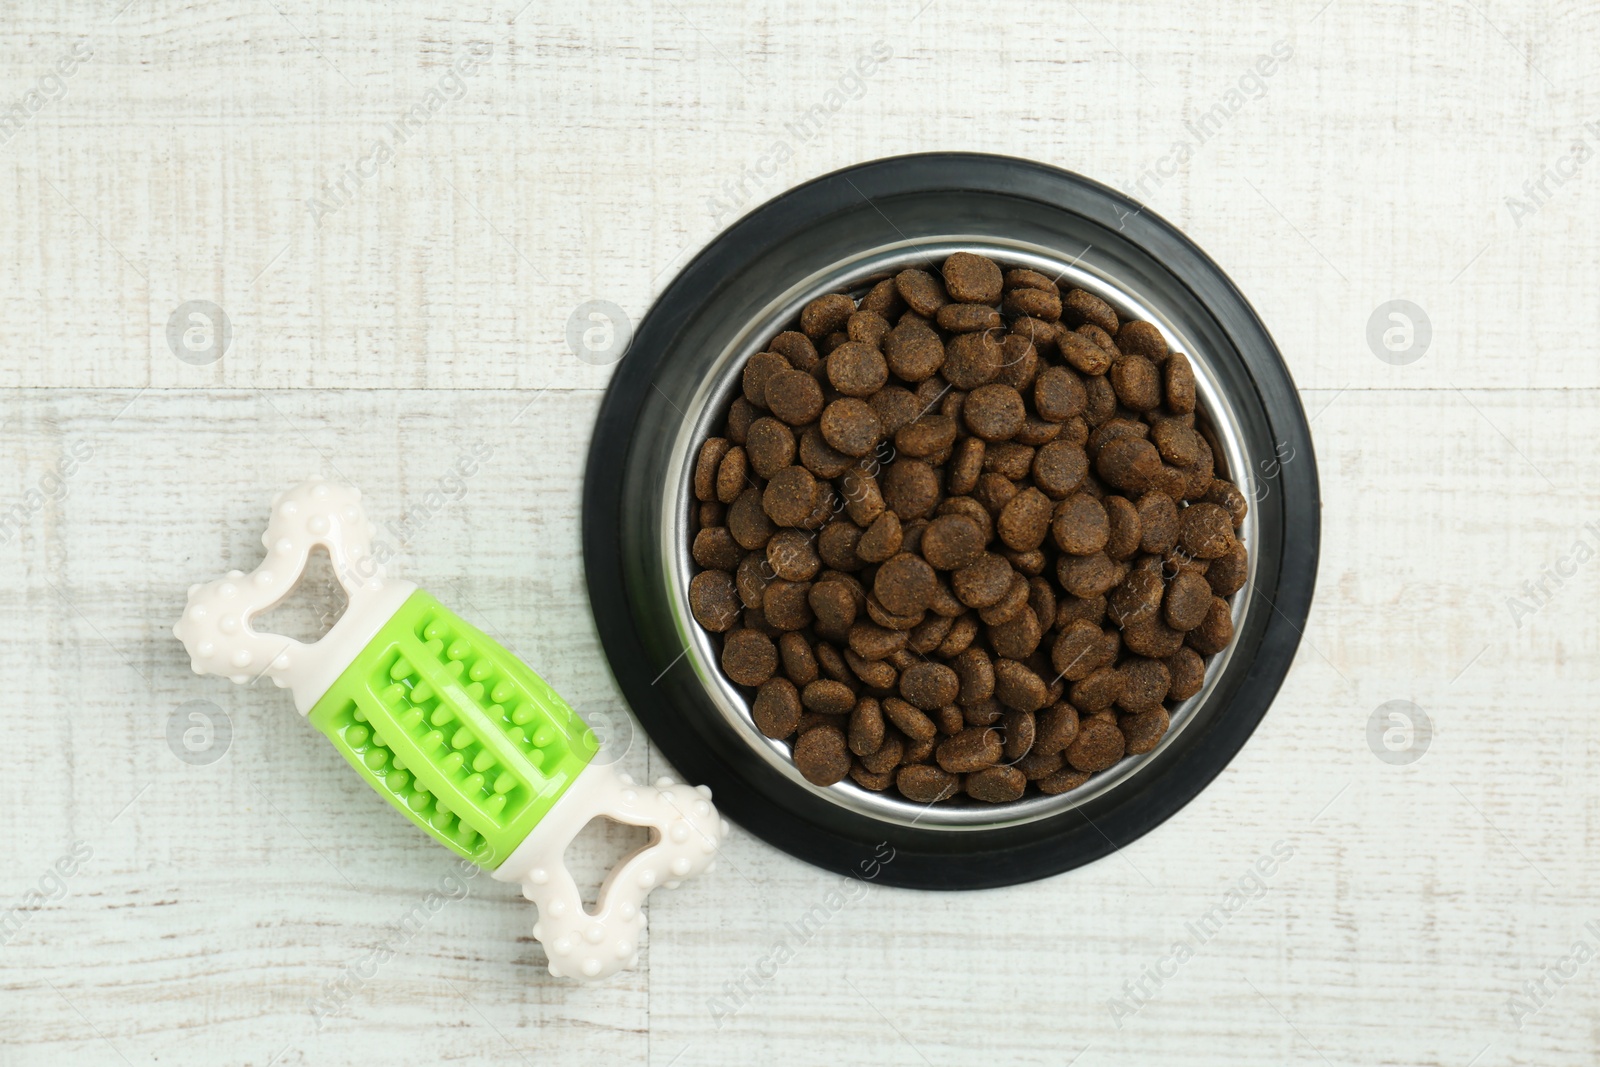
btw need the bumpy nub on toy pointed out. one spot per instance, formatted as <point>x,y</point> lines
<point>453,730</point>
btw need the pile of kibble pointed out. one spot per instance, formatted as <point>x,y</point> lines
<point>964,536</point>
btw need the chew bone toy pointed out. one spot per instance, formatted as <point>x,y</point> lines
<point>453,730</point>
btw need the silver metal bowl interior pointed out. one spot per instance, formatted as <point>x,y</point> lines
<point>855,274</point>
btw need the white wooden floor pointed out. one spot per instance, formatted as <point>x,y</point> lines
<point>1429,911</point>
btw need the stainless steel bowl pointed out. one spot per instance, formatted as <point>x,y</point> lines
<point>708,408</point>
<point>671,391</point>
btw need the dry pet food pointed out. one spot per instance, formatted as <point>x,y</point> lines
<point>964,536</point>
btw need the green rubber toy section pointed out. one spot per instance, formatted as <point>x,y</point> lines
<point>454,731</point>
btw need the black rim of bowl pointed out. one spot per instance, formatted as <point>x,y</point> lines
<point>912,197</point>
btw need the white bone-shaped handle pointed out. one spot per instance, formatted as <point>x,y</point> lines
<point>216,625</point>
<point>685,832</point>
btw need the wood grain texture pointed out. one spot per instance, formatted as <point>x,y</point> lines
<point>591,151</point>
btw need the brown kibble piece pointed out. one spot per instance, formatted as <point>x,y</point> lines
<point>794,396</point>
<point>927,436</point>
<point>733,475</point>
<point>822,756</point>
<point>908,719</point>
<point>997,785</point>
<point>1145,683</point>
<point>928,686</point>
<point>1153,638</point>
<point>784,604</point>
<point>1137,599</point>
<point>770,447</point>
<point>857,370</point>
<point>951,542</point>
<point>1080,526</point>
<point>972,359</point>
<point>748,522</point>
<point>1126,531</point>
<point>792,556</point>
<point>1143,339</point>
<point>748,657</point>
<point>1229,498</point>
<point>821,458</point>
<point>1025,520</point>
<point>1096,692</point>
<point>776,708</point>
<point>982,582</point>
<point>1188,601</point>
<point>926,784</point>
<point>1023,278</point>
<point>1227,573</point>
<point>826,315</point>
<point>913,351</point>
<point>790,497</point>
<point>1039,304</point>
<point>714,600</point>
<point>1178,444</point>
<point>799,662</point>
<point>1101,402</point>
<point>972,279</point>
<point>1056,728</point>
<point>1144,730</point>
<point>875,674</point>
<point>921,291</point>
<point>1017,686</point>
<point>887,756</point>
<point>1180,384</point>
<point>965,318</point>
<point>972,749</point>
<point>1099,745</point>
<point>1078,651</point>
<point>1080,306</point>
<point>911,488</point>
<point>1137,383</point>
<point>1083,355</point>
<point>741,413</point>
<point>994,412</point>
<point>828,697</point>
<point>1158,523</point>
<point>884,299</point>
<point>869,780</point>
<point>1129,463</point>
<point>866,727</point>
<point>1205,530</point>
<point>1188,673</point>
<point>849,425</point>
<point>1058,394</point>
<point>905,584</point>
<point>797,348</point>
<point>1008,459</point>
<point>1020,729</point>
<point>1087,576</point>
<point>868,327</point>
<point>881,539</point>
<point>715,549</point>
<point>975,673</point>
<point>836,544</point>
<point>1059,468</point>
<point>1063,781</point>
<point>863,497</point>
<point>1011,603</point>
<point>1212,635</point>
<point>966,464</point>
